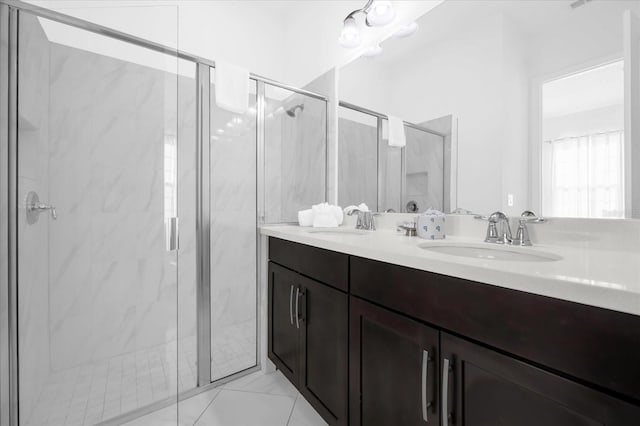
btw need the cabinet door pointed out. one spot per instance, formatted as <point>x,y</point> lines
<point>324,350</point>
<point>486,388</point>
<point>283,329</point>
<point>394,365</point>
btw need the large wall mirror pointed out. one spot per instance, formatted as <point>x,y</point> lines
<point>509,105</point>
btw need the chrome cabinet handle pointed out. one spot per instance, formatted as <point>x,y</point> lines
<point>425,373</point>
<point>297,307</point>
<point>291,305</point>
<point>445,393</point>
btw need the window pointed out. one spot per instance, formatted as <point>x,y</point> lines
<point>583,144</point>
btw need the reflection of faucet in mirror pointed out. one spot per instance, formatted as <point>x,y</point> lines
<point>365,220</point>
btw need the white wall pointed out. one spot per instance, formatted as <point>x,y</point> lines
<point>584,122</point>
<point>290,41</point>
<point>442,79</point>
<point>247,33</point>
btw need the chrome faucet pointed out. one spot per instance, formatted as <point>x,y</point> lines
<point>499,230</point>
<point>522,234</point>
<point>365,221</point>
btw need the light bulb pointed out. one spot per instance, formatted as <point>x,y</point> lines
<point>350,35</point>
<point>406,30</point>
<point>372,51</point>
<point>381,13</point>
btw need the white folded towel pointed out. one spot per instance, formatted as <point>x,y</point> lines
<point>397,137</point>
<point>305,217</point>
<point>323,215</point>
<point>232,87</point>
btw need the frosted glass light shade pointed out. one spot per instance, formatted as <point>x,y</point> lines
<point>380,14</point>
<point>350,35</point>
<point>406,30</point>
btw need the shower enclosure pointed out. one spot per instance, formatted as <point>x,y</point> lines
<point>407,180</point>
<point>129,203</point>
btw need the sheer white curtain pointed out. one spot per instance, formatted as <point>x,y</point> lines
<point>587,176</point>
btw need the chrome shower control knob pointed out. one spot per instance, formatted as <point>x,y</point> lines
<point>34,207</point>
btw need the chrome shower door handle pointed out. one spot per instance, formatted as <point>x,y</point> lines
<point>425,379</point>
<point>172,233</point>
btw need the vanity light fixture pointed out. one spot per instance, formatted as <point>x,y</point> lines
<point>406,30</point>
<point>377,13</point>
<point>350,35</point>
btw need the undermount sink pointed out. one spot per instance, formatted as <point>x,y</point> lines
<point>346,231</point>
<point>491,252</point>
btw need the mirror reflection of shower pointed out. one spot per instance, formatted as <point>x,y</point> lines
<point>292,112</point>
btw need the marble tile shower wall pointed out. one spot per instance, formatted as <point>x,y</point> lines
<point>425,169</point>
<point>233,242</point>
<point>33,170</point>
<point>358,168</point>
<point>112,283</point>
<point>358,163</point>
<point>295,159</point>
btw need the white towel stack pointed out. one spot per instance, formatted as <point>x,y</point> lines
<point>323,215</point>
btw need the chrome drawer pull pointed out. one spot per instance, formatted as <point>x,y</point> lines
<point>425,372</point>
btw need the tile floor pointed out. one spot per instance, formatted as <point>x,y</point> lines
<point>258,399</point>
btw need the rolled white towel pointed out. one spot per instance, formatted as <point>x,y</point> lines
<point>349,209</point>
<point>305,217</point>
<point>363,207</point>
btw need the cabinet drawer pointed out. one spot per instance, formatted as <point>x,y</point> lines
<point>326,266</point>
<point>593,344</point>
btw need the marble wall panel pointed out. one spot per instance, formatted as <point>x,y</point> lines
<point>233,240</point>
<point>357,163</point>
<point>114,130</point>
<point>295,156</point>
<point>424,169</point>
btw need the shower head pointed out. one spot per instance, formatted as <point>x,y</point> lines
<point>291,112</point>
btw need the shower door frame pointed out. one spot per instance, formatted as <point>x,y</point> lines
<point>9,202</point>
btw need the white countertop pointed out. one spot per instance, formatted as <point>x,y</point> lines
<point>603,278</point>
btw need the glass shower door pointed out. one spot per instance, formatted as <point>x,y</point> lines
<point>97,196</point>
<point>233,174</point>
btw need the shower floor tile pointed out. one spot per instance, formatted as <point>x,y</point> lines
<point>97,392</point>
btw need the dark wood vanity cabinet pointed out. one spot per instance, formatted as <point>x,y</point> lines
<point>284,331</point>
<point>481,387</point>
<point>420,348</point>
<point>308,337</point>
<point>393,368</point>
